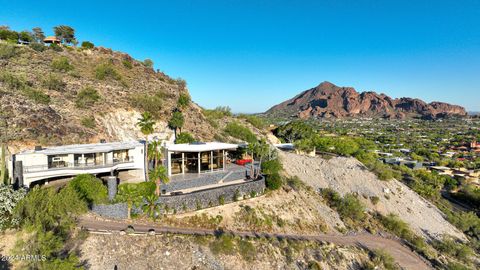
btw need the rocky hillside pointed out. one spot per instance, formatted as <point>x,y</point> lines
<point>73,95</point>
<point>330,101</point>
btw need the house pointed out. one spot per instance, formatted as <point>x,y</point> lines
<point>199,166</point>
<point>51,39</point>
<point>442,170</point>
<point>41,165</point>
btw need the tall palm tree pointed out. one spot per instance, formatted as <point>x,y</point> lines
<point>154,153</point>
<point>146,124</point>
<point>160,175</point>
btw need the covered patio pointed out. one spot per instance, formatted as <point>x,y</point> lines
<point>197,158</point>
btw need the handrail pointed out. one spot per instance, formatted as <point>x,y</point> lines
<point>75,165</point>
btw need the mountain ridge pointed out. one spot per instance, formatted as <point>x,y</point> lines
<point>330,101</point>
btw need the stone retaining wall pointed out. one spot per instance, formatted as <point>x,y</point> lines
<point>118,210</point>
<point>211,197</point>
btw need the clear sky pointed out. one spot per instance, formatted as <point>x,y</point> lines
<point>250,55</point>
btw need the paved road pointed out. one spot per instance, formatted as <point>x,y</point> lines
<point>401,253</point>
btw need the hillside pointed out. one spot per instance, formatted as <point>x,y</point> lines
<point>84,95</point>
<point>330,101</point>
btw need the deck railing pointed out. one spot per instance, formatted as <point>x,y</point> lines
<point>75,165</point>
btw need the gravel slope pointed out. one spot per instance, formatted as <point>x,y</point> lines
<point>346,175</point>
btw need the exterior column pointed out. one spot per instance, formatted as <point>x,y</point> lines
<point>211,161</point>
<point>183,163</point>
<point>199,161</point>
<point>103,158</point>
<point>224,160</point>
<point>169,163</point>
<point>112,187</point>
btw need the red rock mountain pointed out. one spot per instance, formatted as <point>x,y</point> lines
<point>330,101</point>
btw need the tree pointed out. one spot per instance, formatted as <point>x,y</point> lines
<point>176,122</point>
<point>185,137</point>
<point>26,36</point>
<point>258,150</point>
<point>65,33</point>
<point>151,206</point>
<point>183,100</point>
<point>87,45</point>
<point>146,124</point>
<point>159,174</point>
<point>38,34</point>
<point>153,152</point>
<point>130,194</point>
<point>148,63</point>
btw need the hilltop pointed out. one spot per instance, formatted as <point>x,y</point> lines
<point>330,101</point>
<point>77,95</point>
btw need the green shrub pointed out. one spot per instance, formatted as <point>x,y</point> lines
<point>455,249</point>
<point>183,100</point>
<point>221,200</point>
<point>106,70</point>
<point>89,188</point>
<point>87,97</point>
<point>127,63</point>
<point>223,244</point>
<point>380,257</point>
<point>247,250</point>
<point>88,122</point>
<point>146,189</point>
<point>9,198</point>
<point>61,64</point>
<point>12,81</point>
<point>37,46</point>
<point>8,35</point>
<point>374,200</point>
<point>351,208</point>
<point>7,51</point>
<point>148,63</point>
<point>54,82</point>
<point>238,131</point>
<point>36,95</point>
<point>56,47</point>
<point>295,183</point>
<point>217,113</point>
<point>87,45</point>
<point>273,181</point>
<point>254,120</point>
<point>152,104</point>
<point>184,137</point>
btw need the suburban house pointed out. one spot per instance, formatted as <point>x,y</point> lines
<point>51,39</point>
<point>41,165</point>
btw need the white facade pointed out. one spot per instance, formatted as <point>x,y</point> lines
<point>65,161</point>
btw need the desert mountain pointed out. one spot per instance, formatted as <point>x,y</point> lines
<point>74,95</point>
<point>330,101</point>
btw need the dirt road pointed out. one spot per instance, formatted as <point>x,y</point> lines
<point>405,257</point>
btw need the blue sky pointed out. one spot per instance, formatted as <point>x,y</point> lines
<point>250,55</point>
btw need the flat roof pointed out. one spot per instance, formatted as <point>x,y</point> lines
<point>84,148</point>
<point>200,147</point>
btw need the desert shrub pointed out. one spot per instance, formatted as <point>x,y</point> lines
<point>127,63</point>
<point>221,200</point>
<point>87,45</point>
<point>12,81</point>
<point>8,35</point>
<point>253,120</point>
<point>106,70</point>
<point>88,121</point>
<point>54,82</point>
<point>183,100</point>
<point>238,131</point>
<point>148,63</point>
<point>247,250</point>
<point>56,47</point>
<point>273,181</point>
<point>181,83</point>
<point>224,244</point>
<point>374,200</point>
<point>89,188</point>
<point>49,210</point>
<point>36,95</point>
<point>351,208</point>
<point>294,131</point>
<point>149,103</point>
<point>37,46</point>
<point>9,198</point>
<point>453,248</point>
<point>295,183</point>
<point>7,51</point>
<point>272,166</point>
<point>87,97</point>
<point>381,257</point>
<point>457,266</point>
<point>217,113</point>
<point>62,64</point>
<point>184,137</point>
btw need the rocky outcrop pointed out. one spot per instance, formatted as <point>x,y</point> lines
<point>330,101</point>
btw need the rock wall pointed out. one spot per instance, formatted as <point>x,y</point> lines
<point>118,210</point>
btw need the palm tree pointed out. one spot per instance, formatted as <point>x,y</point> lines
<point>153,152</point>
<point>146,124</point>
<point>129,193</point>
<point>160,175</point>
<point>151,206</point>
